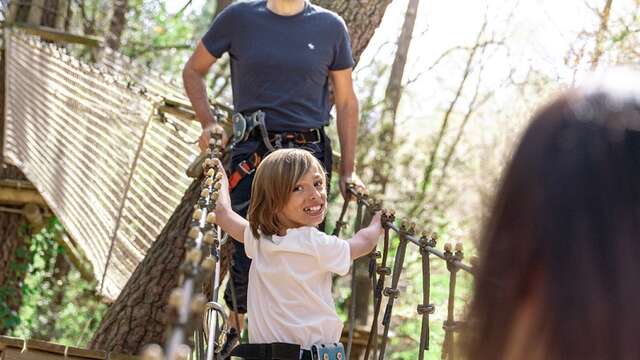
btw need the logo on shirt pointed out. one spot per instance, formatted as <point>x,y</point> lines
<point>311,46</point>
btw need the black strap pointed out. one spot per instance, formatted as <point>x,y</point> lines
<point>273,351</point>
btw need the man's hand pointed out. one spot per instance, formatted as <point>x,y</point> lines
<point>203,141</point>
<point>344,182</point>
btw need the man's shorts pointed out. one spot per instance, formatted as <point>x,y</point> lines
<point>240,197</point>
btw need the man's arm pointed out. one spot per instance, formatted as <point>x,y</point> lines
<point>347,121</point>
<point>193,75</point>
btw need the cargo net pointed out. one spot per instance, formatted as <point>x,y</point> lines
<point>99,147</point>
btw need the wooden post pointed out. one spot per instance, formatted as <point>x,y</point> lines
<point>35,12</point>
<point>13,12</point>
<point>61,14</point>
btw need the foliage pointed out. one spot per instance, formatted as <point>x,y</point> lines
<point>18,267</point>
<point>63,310</point>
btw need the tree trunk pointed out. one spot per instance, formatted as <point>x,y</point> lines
<point>393,94</point>
<point>220,5</point>
<point>139,314</point>
<point>386,146</point>
<point>599,38</point>
<point>117,24</point>
<point>362,18</point>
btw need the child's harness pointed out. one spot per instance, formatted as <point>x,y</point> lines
<point>246,126</point>
<point>285,351</point>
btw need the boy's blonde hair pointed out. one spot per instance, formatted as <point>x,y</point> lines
<point>275,179</point>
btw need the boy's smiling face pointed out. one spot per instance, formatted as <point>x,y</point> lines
<point>307,202</point>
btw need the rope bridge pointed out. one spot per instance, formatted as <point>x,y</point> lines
<point>108,155</point>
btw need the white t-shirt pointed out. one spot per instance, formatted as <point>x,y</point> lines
<point>289,296</point>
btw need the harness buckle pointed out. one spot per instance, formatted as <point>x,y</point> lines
<point>318,137</point>
<point>246,169</point>
<point>334,351</point>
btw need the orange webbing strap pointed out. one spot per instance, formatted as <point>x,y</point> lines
<point>246,167</point>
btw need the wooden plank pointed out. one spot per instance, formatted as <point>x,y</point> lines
<point>17,184</point>
<point>52,34</point>
<point>14,196</point>
<point>35,354</point>
<point>7,341</point>
<point>15,349</point>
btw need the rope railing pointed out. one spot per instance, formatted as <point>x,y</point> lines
<point>187,303</point>
<point>426,243</point>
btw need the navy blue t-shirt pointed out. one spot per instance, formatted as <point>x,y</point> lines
<point>280,64</point>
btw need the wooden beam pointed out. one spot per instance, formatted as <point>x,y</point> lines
<point>183,104</point>
<point>15,196</point>
<point>17,184</point>
<point>54,35</point>
<point>178,112</point>
<point>76,257</point>
<point>29,349</point>
<point>13,12</point>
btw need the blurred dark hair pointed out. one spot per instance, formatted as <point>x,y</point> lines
<point>566,225</point>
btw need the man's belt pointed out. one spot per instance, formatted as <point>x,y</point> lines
<point>313,136</point>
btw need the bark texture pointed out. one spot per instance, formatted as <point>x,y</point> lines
<point>220,5</point>
<point>139,315</point>
<point>362,17</point>
<point>393,93</point>
<point>117,24</point>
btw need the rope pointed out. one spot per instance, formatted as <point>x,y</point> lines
<point>126,192</point>
<point>352,307</point>
<point>426,244</point>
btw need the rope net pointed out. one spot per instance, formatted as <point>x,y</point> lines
<point>95,145</point>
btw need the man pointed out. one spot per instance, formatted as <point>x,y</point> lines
<point>283,54</point>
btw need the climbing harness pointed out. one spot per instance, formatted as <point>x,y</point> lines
<point>253,125</point>
<point>333,351</point>
<point>245,125</point>
<point>244,168</point>
<point>285,351</point>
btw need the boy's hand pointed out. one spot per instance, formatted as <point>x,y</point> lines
<point>224,199</point>
<point>365,240</point>
<point>375,226</point>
